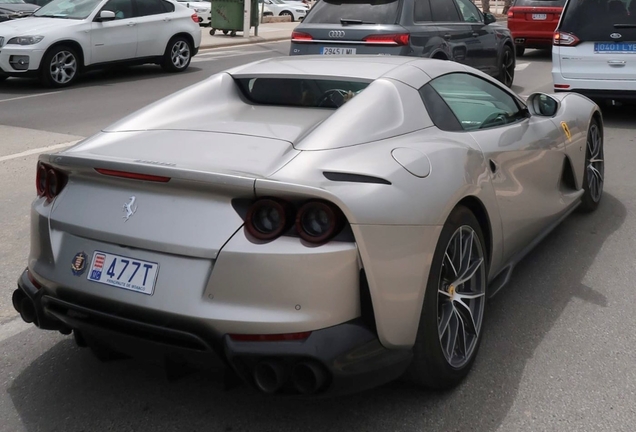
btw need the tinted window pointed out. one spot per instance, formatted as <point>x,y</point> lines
<point>539,3</point>
<point>300,92</point>
<point>469,11</point>
<point>444,11</point>
<point>169,7</point>
<point>368,11</point>
<point>122,8</point>
<point>150,7</point>
<point>421,11</point>
<point>439,111</point>
<point>595,20</point>
<point>68,9</point>
<point>476,103</point>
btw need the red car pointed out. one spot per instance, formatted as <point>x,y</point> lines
<point>532,23</point>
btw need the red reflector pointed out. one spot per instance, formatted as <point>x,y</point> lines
<point>562,86</point>
<point>301,37</point>
<point>195,18</point>
<point>511,14</point>
<point>270,337</point>
<point>134,176</point>
<point>33,281</point>
<point>390,39</point>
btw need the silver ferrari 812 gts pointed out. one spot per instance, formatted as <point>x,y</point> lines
<point>321,224</point>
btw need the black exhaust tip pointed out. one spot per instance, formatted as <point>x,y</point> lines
<point>269,376</point>
<point>308,377</point>
<point>27,310</point>
<point>16,299</point>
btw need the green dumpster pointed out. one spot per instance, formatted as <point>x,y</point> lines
<point>227,16</point>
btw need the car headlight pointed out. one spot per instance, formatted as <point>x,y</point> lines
<point>25,40</point>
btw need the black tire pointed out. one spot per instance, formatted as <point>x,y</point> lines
<point>507,66</point>
<point>520,51</point>
<point>594,170</point>
<point>178,55</point>
<point>431,367</point>
<point>287,13</point>
<point>65,72</point>
<point>212,31</point>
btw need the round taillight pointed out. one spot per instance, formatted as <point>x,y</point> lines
<point>267,219</point>
<point>318,221</point>
<point>52,184</point>
<point>40,180</point>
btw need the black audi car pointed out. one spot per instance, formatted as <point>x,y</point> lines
<point>445,29</point>
<point>12,9</point>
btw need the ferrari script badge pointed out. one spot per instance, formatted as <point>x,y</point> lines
<point>130,208</point>
<point>79,263</point>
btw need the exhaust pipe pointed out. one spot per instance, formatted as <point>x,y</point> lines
<point>269,376</point>
<point>27,310</point>
<point>308,377</point>
<point>16,299</point>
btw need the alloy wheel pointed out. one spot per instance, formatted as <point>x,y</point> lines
<point>180,54</point>
<point>63,67</point>
<point>594,163</point>
<point>461,296</point>
<point>508,65</point>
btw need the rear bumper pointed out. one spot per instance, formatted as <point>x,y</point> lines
<point>594,89</point>
<point>349,355</point>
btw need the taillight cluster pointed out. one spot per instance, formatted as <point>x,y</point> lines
<point>315,221</point>
<point>390,39</point>
<point>49,182</point>
<point>565,39</point>
<point>195,18</point>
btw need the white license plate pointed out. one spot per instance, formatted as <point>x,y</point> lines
<point>123,272</point>
<point>337,51</point>
<point>539,17</point>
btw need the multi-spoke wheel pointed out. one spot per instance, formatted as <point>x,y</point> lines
<point>177,56</point>
<point>507,66</point>
<point>453,312</point>
<point>59,67</point>
<point>593,177</point>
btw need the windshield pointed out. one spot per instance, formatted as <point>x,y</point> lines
<point>539,3</point>
<point>69,9</point>
<point>596,20</point>
<point>363,11</point>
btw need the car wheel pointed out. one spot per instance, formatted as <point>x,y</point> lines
<point>212,31</point>
<point>520,51</point>
<point>593,177</point>
<point>507,66</point>
<point>450,327</point>
<point>177,56</point>
<point>289,14</point>
<point>59,67</point>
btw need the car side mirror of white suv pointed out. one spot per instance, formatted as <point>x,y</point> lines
<point>489,18</point>
<point>105,15</point>
<point>542,104</point>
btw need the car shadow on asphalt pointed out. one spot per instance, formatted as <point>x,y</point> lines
<point>66,389</point>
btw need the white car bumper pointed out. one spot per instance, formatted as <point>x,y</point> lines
<point>19,59</point>
<point>595,88</point>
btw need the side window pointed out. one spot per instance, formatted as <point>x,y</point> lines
<point>122,8</point>
<point>476,103</point>
<point>150,7</point>
<point>169,7</point>
<point>422,11</point>
<point>469,11</point>
<point>444,11</point>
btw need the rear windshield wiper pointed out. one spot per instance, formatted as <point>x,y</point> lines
<point>345,21</point>
<point>624,25</point>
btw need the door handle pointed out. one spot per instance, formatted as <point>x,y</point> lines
<point>167,19</point>
<point>475,34</point>
<point>132,23</point>
<point>617,63</point>
<point>447,36</point>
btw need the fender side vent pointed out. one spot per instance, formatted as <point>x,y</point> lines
<point>354,178</point>
<point>568,184</point>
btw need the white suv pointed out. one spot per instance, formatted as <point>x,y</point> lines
<point>66,37</point>
<point>594,49</point>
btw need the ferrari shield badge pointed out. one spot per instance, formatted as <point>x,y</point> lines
<point>566,130</point>
<point>79,263</point>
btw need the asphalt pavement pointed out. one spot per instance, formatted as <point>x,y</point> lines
<point>557,354</point>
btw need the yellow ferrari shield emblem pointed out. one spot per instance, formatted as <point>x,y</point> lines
<point>566,129</point>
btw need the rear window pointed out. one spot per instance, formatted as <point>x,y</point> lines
<point>294,92</point>
<point>366,11</point>
<point>539,3</point>
<point>596,20</point>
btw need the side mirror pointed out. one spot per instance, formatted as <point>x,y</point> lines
<point>544,105</point>
<point>489,18</point>
<point>105,15</point>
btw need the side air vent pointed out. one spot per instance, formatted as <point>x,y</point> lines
<point>568,184</point>
<point>354,178</point>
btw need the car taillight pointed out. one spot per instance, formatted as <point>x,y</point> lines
<point>301,37</point>
<point>319,221</point>
<point>390,39</point>
<point>49,182</point>
<point>562,86</point>
<point>268,218</point>
<point>132,175</point>
<point>565,39</point>
<point>511,14</point>
<point>195,18</point>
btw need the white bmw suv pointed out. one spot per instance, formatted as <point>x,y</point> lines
<point>594,49</point>
<point>66,37</point>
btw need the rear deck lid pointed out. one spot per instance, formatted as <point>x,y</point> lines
<point>598,40</point>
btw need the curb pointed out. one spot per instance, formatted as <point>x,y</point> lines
<point>251,41</point>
